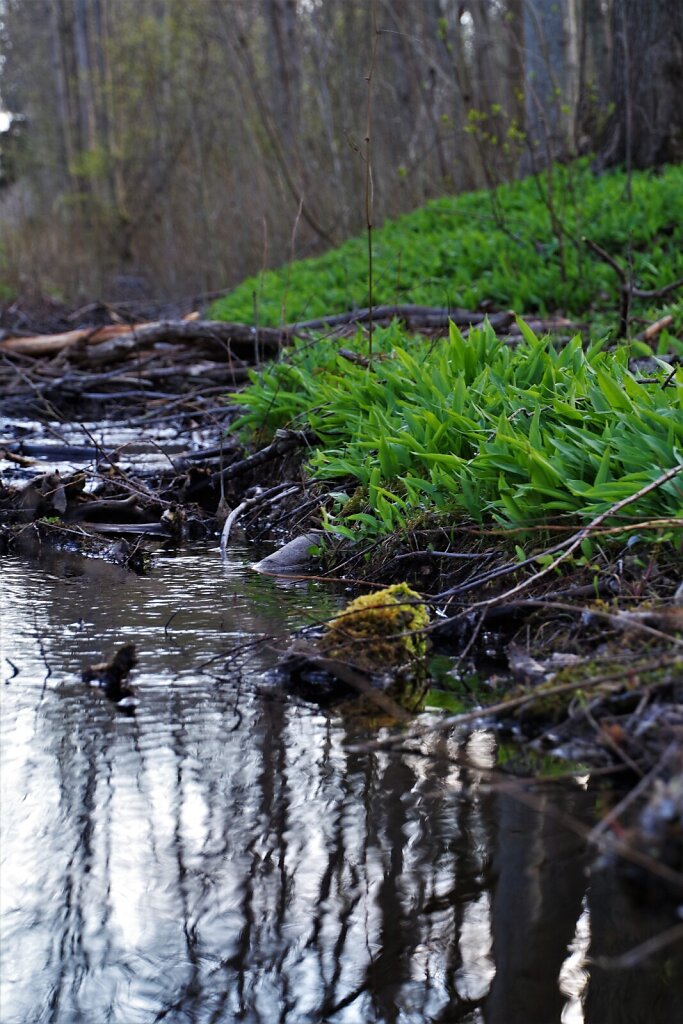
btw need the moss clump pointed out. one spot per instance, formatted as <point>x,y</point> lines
<point>356,502</point>
<point>381,631</point>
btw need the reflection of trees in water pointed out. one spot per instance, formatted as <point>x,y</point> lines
<point>58,937</point>
<point>173,867</point>
<point>263,874</point>
<point>204,873</point>
<point>538,866</point>
<point>645,992</point>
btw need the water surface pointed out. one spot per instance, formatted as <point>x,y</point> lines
<point>228,855</point>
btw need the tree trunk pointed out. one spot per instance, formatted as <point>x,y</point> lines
<point>284,66</point>
<point>551,80</point>
<point>83,77</point>
<point>646,129</point>
<point>63,126</point>
<point>594,73</point>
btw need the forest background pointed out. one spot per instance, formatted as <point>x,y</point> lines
<point>158,148</point>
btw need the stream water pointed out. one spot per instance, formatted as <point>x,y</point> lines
<point>229,855</point>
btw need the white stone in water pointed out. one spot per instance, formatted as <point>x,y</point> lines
<point>291,557</point>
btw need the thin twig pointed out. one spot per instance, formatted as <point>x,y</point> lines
<point>633,794</point>
<point>635,956</point>
<point>467,717</point>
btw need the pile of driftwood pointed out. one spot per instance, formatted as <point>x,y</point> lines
<point>153,361</point>
<point>112,506</point>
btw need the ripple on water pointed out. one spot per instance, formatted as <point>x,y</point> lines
<point>227,855</point>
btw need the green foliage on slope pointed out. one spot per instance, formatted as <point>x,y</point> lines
<point>474,427</point>
<point>477,427</point>
<point>504,247</point>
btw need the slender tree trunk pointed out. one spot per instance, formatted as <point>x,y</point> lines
<point>84,85</point>
<point>62,128</point>
<point>551,79</point>
<point>285,66</point>
<point>594,70</point>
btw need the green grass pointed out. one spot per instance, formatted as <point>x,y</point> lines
<point>455,252</point>
<point>478,428</point>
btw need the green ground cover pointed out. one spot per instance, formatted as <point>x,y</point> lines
<point>474,427</point>
<point>458,251</point>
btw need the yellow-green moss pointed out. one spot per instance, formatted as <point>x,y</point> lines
<point>356,502</point>
<point>380,631</point>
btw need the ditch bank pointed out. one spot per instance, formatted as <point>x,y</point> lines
<point>571,654</point>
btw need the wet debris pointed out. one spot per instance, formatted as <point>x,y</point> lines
<point>370,657</point>
<point>112,676</point>
<point>644,850</point>
<point>177,497</point>
<point>85,509</point>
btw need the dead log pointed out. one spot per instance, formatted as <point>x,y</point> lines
<point>216,333</point>
<point>428,317</point>
<point>50,344</point>
<point>117,340</point>
<point>108,344</point>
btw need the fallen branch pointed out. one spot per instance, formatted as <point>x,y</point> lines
<point>428,317</point>
<point>50,344</point>
<point>116,340</point>
<point>269,497</point>
<point>96,345</point>
<point>656,328</point>
<point>211,331</point>
<point>284,441</point>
